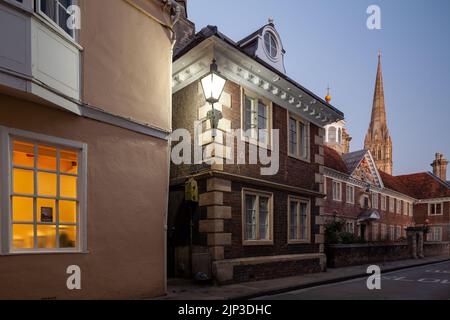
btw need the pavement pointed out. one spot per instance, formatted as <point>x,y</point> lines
<point>430,282</point>
<point>182,289</point>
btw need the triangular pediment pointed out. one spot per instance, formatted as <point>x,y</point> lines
<point>365,169</point>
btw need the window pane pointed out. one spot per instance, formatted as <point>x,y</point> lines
<point>263,218</point>
<point>68,161</point>
<point>47,184</point>
<point>46,210</point>
<point>293,136</point>
<point>46,237</point>
<point>67,212</point>
<point>293,220</point>
<point>46,158</point>
<point>250,217</point>
<point>23,236</point>
<point>67,237</point>
<point>22,209</point>
<point>68,187</point>
<point>23,154</point>
<point>23,181</point>
<point>303,141</point>
<point>303,221</point>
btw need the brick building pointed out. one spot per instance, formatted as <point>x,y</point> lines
<point>247,225</point>
<point>361,191</point>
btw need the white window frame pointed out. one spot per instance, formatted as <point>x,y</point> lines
<point>299,201</point>
<point>53,23</point>
<point>335,197</point>
<point>7,135</point>
<point>351,199</point>
<point>391,204</point>
<point>258,194</point>
<point>392,233</point>
<point>383,203</point>
<point>307,138</point>
<point>398,206</point>
<point>405,208</point>
<point>435,204</point>
<point>375,199</point>
<point>411,210</point>
<point>435,236</point>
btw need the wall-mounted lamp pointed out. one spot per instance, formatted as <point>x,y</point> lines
<point>213,84</point>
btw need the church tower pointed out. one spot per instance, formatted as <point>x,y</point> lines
<point>378,139</point>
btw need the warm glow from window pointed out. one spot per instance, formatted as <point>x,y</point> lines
<point>44,217</point>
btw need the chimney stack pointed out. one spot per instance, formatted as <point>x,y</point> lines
<point>440,167</point>
<point>184,28</point>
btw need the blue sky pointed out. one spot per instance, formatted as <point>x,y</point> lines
<point>327,42</point>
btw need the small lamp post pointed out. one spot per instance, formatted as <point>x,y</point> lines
<point>213,84</point>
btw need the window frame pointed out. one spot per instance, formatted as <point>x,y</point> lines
<point>256,141</point>
<point>383,203</point>
<point>398,206</point>
<point>258,194</point>
<point>432,235</point>
<point>307,124</point>
<point>392,201</point>
<point>435,204</point>
<point>6,148</point>
<point>340,191</point>
<point>375,199</point>
<point>352,199</point>
<point>299,201</point>
<point>375,232</point>
<point>54,24</point>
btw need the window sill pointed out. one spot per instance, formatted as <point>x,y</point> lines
<point>40,253</point>
<point>306,160</point>
<point>257,243</point>
<point>296,242</point>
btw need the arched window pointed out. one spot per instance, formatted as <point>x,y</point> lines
<point>332,134</point>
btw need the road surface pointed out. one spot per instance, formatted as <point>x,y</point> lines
<point>431,282</point>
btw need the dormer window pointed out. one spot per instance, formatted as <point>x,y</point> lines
<point>271,44</point>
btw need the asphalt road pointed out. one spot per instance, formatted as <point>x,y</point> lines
<point>430,282</point>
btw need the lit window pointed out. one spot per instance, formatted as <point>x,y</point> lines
<point>435,209</point>
<point>337,191</point>
<point>350,194</point>
<point>298,220</point>
<point>257,119</point>
<point>257,217</point>
<point>46,208</point>
<point>56,11</point>
<point>271,45</point>
<point>298,138</point>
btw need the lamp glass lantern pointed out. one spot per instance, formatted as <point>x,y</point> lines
<point>213,84</point>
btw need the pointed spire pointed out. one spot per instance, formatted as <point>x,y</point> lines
<point>378,139</point>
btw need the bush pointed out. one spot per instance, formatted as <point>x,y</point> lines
<point>335,234</point>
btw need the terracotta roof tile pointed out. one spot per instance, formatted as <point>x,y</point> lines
<point>333,160</point>
<point>425,186</point>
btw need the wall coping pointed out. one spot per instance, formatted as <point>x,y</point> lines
<point>366,245</point>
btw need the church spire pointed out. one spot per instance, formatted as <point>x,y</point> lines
<point>378,139</point>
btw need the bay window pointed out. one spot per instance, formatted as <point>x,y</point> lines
<point>44,199</point>
<point>56,12</point>
<point>257,119</point>
<point>298,220</point>
<point>298,138</point>
<point>257,217</point>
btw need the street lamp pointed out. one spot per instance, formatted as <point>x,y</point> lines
<point>213,84</point>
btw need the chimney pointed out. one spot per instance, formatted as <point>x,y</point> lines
<point>440,167</point>
<point>184,28</point>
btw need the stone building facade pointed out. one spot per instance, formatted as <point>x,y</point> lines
<point>248,225</point>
